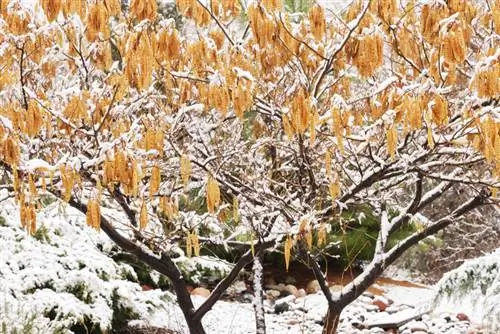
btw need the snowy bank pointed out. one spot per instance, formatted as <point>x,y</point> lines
<point>473,288</point>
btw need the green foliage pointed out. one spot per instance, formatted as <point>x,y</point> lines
<point>356,232</point>
<point>42,234</point>
<point>121,314</point>
<point>297,6</point>
<point>80,291</point>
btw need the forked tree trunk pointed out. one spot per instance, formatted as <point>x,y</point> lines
<point>332,320</point>
<point>195,327</point>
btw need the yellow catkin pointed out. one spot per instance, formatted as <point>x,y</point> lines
<point>11,151</point>
<point>334,188</point>
<point>143,216</point>
<point>143,9</point>
<point>440,110</point>
<point>195,241</point>
<point>68,177</point>
<point>213,194</point>
<point>78,7</point>
<point>328,163</point>
<point>392,140</point>
<point>300,111</point>
<point>338,128</point>
<point>317,21</point>
<point>97,22</point>
<point>93,216</point>
<point>51,8</point>
<point>154,182</point>
<point>185,169</point>
<point>287,251</point>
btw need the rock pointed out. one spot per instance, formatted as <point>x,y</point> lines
<point>417,326</point>
<point>288,299</point>
<point>281,307</point>
<point>292,290</point>
<point>366,300</point>
<point>381,302</point>
<point>301,293</point>
<point>236,288</point>
<point>462,317</point>
<point>419,332</point>
<point>272,294</point>
<point>371,308</point>
<point>312,287</point>
<point>146,287</point>
<point>392,309</point>
<point>336,288</point>
<point>203,292</point>
<point>368,294</point>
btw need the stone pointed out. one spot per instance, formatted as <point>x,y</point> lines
<point>462,317</point>
<point>288,299</point>
<point>200,291</point>
<point>371,308</point>
<point>368,294</point>
<point>366,300</point>
<point>292,290</point>
<point>312,287</point>
<point>272,294</point>
<point>381,303</point>
<point>281,307</point>
<point>336,288</point>
<point>301,293</point>
<point>392,309</point>
<point>417,326</point>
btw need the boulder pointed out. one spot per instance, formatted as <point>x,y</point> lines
<point>312,287</point>
<point>381,302</point>
<point>272,294</point>
<point>292,290</point>
<point>301,293</point>
<point>203,292</point>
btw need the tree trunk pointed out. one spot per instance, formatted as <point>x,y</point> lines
<point>332,320</point>
<point>258,305</point>
<point>195,326</point>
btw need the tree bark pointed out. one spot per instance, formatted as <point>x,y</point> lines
<point>195,326</point>
<point>332,320</point>
<point>258,302</point>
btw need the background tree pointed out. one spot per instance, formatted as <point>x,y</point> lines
<point>252,131</point>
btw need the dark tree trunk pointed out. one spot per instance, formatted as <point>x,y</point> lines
<point>195,326</point>
<point>332,320</point>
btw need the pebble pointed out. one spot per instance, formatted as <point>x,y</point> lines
<point>312,287</point>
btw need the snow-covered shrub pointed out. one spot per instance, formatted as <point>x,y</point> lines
<point>473,288</point>
<point>203,269</point>
<point>59,281</point>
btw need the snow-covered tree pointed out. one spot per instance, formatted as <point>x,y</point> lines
<point>251,128</point>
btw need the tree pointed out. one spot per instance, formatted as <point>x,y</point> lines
<point>252,128</point>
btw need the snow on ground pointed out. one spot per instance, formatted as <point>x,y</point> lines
<point>473,288</point>
<point>65,273</point>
